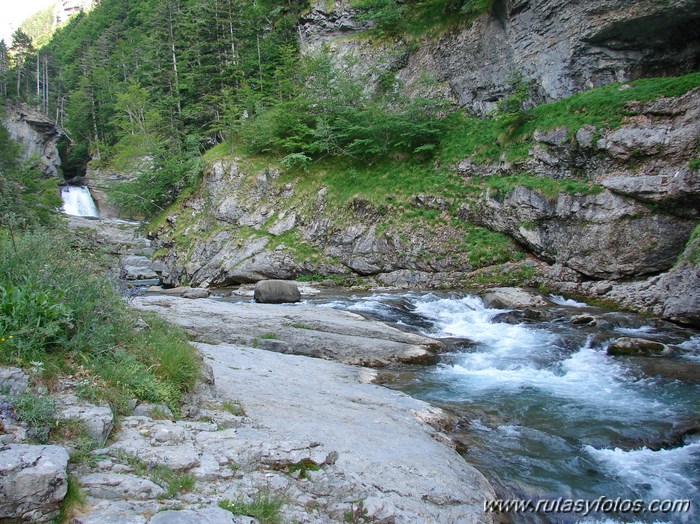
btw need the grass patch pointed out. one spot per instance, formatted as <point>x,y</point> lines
<point>268,336</point>
<point>171,481</point>
<point>38,412</point>
<point>604,107</point>
<point>234,407</point>
<point>72,434</point>
<point>501,186</point>
<point>60,312</point>
<point>693,247</point>
<point>264,506</point>
<point>73,503</point>
<point>414,19</point>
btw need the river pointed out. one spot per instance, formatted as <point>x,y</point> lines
<point>545,412</point>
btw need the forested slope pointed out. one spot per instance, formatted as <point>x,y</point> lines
<point>419,140</point>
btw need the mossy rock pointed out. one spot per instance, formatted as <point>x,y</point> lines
<point>638,347</point>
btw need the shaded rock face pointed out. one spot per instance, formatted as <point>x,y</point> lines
<point>600,236</point>
<point>36,134</point>
<point>566,47</point>
<point>562,47</point>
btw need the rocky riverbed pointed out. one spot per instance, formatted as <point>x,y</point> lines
<point>312,434</point>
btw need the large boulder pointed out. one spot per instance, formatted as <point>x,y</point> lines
<point>276,292</point>
<point>33,481</point>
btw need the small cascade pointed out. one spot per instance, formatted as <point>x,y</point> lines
<point>77,201</point>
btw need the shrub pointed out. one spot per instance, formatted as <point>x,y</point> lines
<point>58,307</point>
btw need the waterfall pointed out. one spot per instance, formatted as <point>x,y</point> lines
<point>77,201</point>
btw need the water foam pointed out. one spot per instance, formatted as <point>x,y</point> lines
<point>77,201</point>
<point>662,474</point>
<point>561,301</point>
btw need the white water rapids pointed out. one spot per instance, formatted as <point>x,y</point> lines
<point>549,413</point>
<point>77,201</point>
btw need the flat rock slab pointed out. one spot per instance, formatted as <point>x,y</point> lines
<point>33,481</point>
<point>378,438</point>
<point>298,329</point>
<point>213,515</point>
<point>114,486</point>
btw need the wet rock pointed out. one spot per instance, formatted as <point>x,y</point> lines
<point>33,481</point>
<point>524,315</point>
<point>13,380</point>
<point>638,347</point>
<point>512,297</point>
<point>276,292</point>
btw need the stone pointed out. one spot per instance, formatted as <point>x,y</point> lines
<point>196,293</point>
<point>116,486</point>
<point>276,292</point>
<point>395,464</point>
<point>629,346</point>
<point>524,315</point>
<point>213,515</point>
<point>98,421</point>
<point>13,380</point>
<point>137,267</point>
<point>37,135</point>
<point>33,481</point>
<point>512,298</point>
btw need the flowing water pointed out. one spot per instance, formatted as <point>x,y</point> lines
<point>77,201</point>
<point>547,413</point>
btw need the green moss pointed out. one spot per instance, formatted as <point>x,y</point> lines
<point>692,250</point>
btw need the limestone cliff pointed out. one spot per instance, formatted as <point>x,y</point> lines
<point>562,47</point>
<point>37,135</point>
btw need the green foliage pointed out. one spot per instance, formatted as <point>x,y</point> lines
<point>73,434</point>
<point>38,322</point>
<point>172,481</point>
<point>39,25</point>
<point>264,506</point>
<point>27,197</point>
<point>692,248</point>
<point>37,411</point>
<point>58,309</point>
<point>327,112</point>
<point>234,407</point>
<point>73,502</point>
<point>489,139</point>
<point>500,186</point>
<point>416,18</point>
<point>162,174</point>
